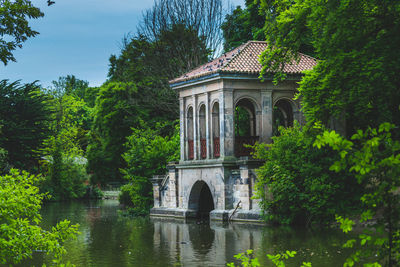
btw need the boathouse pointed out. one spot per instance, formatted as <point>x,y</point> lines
<point>224,106</point>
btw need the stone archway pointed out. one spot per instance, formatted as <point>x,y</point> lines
<point>245,127</point>
<point>282,115</point>
<point>201,200</point>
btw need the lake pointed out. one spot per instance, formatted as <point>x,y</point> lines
<point>109,239</point>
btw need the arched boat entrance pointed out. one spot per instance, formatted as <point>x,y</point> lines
<point>201,200</point>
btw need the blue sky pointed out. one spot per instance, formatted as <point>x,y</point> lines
<point>76,37</point>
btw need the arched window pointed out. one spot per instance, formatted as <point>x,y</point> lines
<point>283,115</point>
<point>245,127</point>
<point>215,130</point>
<point>189,133</point>
<point>202,131</point>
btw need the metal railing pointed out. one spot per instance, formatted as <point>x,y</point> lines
<point>217,152</point>
<point>190,149</point>
<point>241,142</point>
<point>203,148</point>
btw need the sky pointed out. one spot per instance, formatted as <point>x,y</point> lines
<point>76,37</point>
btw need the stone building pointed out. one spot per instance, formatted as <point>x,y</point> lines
<point>224,106</point>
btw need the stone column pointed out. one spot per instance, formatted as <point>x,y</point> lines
<point>172,186</point>
<point>180,188</point>
<point>182,124</point>
<point>195,127</point>
<point>208,143</point>
<point>156,180</point>
<point>245,192</point>
<point>266,115</point>
<point>156,195</point>
<point>226,123</point>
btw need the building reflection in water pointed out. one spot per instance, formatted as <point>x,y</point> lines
<point>193,244</point>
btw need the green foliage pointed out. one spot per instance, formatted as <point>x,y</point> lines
<point>70,85</point>
<point>242,122</point>
<point>138,88</point>
<point>148,153</point>
<point>374,157</point>
<point>20,233</point>
<point>80,92</point>
<point>65,178</point>
<point>15,29</point>
<point>295,184</point>
<point>93,192</point>
<point>116,111</point>
<point>64,164</point>
<point>151,63</point>
<point>279,259</point>
<point>356,75</point>
<point>25,114</point>
<point>243,25</point>
<point>247,259</point>
<point>3,161</point>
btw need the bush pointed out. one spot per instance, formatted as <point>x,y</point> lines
<point>137,196</point>
<point>295,183</point>
<point>65,178</point>
<point>93,192</point>
<point>21,233</point>
<point>148,153</point>
<point>3,161</point>
<point>125,195</point>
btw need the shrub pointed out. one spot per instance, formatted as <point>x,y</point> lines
<point>65,177</point>
<point>148,153</point>
<point>93,192</point>
<point>21,233</point>
<point>295,183</point>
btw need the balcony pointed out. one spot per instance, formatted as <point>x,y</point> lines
<point>216,147</point>
<point>190,149</point>
<point>203,148</point>
<point>241,150</point>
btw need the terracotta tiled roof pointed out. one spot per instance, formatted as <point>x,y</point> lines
<point>244,59</point>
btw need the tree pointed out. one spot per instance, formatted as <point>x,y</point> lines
<point>374,156</point>
<point>151,64</point>
<point>204,17</point>
<point>295,184</point>
<point>243,25</point>
<point>3,161</point>
<point>20,219</point>
<point>78,91</point>
<point>141,74</point>
<point>116,111</point>
<point>64,164</point>
<point>70,85</point>
<point>148,153</point>
<point>356,43</point>
<point>25,113</point>
<point>14,26</point>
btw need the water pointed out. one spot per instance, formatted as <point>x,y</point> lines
<point>108,239</point>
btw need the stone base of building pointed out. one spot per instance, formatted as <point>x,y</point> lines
<point>248,216</point>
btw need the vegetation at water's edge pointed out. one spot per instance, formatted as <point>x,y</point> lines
<point>21,234</point>
<point>295,183</point>
<point>126,131</point>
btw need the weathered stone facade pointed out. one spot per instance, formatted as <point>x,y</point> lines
<point>216,173</point>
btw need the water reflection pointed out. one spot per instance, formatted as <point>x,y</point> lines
<point>110,240</point>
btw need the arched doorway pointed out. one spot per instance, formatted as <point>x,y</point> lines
<point>283,115</point>
<point>201,200</point>
<point>245,127</point>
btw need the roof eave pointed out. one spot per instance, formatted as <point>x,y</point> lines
<point>232,76</point>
